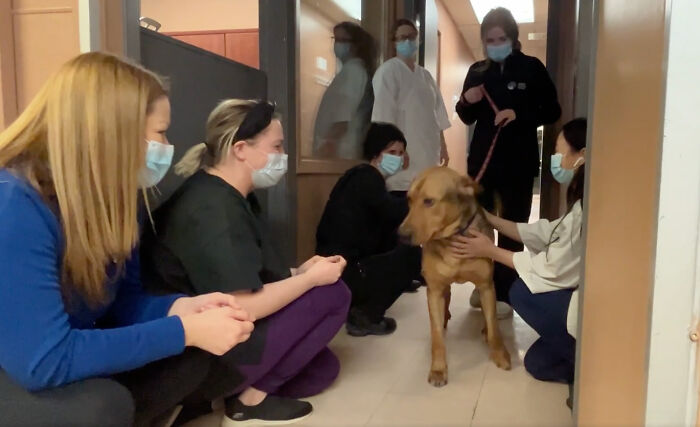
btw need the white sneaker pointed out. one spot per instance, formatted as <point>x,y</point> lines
<point>503,310</point>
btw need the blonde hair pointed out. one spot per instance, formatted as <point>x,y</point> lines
<point>222,126</point>
<point>80,143</point>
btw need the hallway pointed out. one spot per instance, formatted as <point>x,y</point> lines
<point>383,381</point>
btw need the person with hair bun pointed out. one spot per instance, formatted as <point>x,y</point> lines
<point>210,237</point>
<point>526,98</point>
<point>360,221</point>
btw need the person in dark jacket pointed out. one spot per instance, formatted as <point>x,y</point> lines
<point>360,222</point>
<point>526,98</point>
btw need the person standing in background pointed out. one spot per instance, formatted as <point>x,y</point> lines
<point>526,97</point>
<point>407,96</point>
<point>346,107</point>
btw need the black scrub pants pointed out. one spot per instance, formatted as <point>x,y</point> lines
<point>515,199</point>
<point>138,397</point>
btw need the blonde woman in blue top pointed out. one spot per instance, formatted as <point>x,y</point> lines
<point>81,344</point>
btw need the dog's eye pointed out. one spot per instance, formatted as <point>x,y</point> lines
<point>428,202</point>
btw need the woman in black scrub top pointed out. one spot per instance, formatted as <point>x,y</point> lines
<point>210,236</point>
<point>526,98</point>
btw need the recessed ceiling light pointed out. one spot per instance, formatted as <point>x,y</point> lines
<point>523,10</point>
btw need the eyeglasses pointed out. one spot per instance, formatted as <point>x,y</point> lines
<point>406,37</point>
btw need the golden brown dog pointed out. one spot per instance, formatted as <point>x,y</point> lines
<point>442,204</point>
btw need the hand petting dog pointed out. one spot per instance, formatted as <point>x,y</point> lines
<point>476,245</point>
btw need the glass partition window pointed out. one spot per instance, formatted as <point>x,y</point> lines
<point>337,59</point>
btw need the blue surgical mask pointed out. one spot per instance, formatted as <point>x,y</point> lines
<point>406,48</point>
<point>342,50</point>
<point>272,172</point>
<point>390,164</point>
<point>500,52</point>
<point>561,174</point>
<point>159,156</point>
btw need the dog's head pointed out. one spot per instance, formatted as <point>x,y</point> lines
<point>439,200</point>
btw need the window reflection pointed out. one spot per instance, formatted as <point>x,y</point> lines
<point>337,61</point>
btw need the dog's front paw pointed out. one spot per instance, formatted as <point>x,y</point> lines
<point>438,378</point>
<point>501,358</point>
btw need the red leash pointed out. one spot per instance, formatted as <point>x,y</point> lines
<point>495,137</point>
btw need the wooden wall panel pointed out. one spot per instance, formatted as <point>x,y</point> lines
<point>244,47</point>
<point>38,36</point>
<point>629,81</point>
<point>214,43</point>
<point>312,195</point>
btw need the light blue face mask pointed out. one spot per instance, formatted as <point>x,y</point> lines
<point>342,50</point>
<point>390,164</point>
<point>500,52</point>
<point>406,48</point>
<point>159,156</point>
<point>561,174</point>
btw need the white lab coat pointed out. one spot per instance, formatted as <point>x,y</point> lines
<point>347,99</point>
<point>547,269</point>
<point>412,102</point>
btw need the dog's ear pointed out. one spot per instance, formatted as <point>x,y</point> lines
<point>468,188</point>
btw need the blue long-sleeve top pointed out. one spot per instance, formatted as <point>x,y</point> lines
<point>43,342</point>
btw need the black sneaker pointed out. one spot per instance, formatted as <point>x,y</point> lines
<point>272,411</point>
<point>359,325</point>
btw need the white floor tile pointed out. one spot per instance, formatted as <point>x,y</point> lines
<point>383,380</point>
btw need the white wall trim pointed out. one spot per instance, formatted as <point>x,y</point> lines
<point>89,24</point>
<point>672,388</point>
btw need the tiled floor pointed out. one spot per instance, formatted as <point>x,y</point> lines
<point>383,381</point>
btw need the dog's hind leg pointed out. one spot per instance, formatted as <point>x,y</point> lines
<point>497,351</point>
<point>436,308</point>
<point>448,298</point>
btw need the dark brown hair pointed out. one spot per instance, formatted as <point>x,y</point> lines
<point>364,44</point>
<point>501,17</point>
<point>399,23</point>
<point>575,136</point>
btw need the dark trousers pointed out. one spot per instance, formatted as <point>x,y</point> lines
<point>551,357</point>
<point>296,361</point>
<point>132,398</point>
<point>378,281</point>
<point>515,199</point>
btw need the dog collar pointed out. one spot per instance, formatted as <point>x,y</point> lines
<point>462,230</point>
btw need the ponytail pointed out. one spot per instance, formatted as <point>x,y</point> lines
<point>195,159</point>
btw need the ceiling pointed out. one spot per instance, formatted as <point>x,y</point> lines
<point>465,18</point>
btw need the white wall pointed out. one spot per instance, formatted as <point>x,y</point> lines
<point>672,390</point>
<point>431,37</point>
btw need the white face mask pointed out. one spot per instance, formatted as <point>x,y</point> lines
<point>159,156</point>
<point>272,172</point>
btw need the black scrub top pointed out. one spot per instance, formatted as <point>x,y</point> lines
<point>210,238</point>
<point>361,217</point>
<point>524,86</point>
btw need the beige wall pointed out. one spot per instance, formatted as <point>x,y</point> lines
<point>37,37</point>
<point>622,206</point>
<point>201,15</point>
<point>455,59</point>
